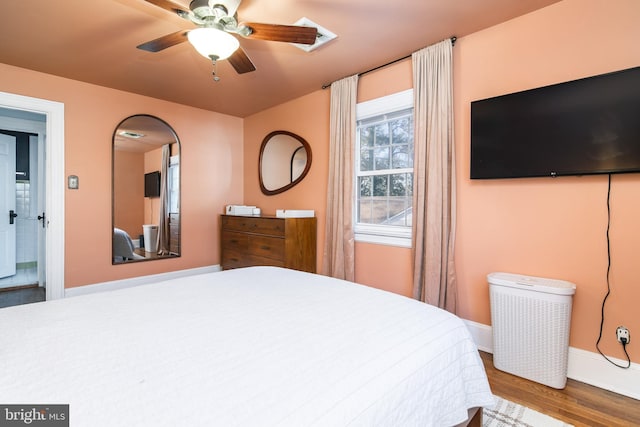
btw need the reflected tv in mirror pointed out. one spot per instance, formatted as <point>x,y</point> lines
<point>152,184</point>
<point>581,127</point>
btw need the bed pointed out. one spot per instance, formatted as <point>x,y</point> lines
<point>258,346</point>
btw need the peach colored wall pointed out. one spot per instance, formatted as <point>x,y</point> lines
<point>129,186</point>
<point>553,228</point>
<point>542,226</point>
<point>211,168</point>
<point>307,117</point>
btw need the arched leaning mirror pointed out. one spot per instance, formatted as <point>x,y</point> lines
<point>145,190</point>
<point>285,159</point>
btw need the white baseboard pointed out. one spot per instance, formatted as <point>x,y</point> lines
<point>592,368</point>
<point>584,366</point>
<point>482,335</point>
<point>137,281</point>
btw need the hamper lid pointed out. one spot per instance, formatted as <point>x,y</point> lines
<point>532,283</point>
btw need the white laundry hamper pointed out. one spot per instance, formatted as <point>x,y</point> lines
<point>531,319</point>
<point>150,232</point>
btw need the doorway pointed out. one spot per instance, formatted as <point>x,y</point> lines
<point>22,195</point>
<point>48,119</point>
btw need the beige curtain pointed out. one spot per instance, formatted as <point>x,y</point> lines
<point>434,198</point>
<point>338,255</point>
<point>163,226</point>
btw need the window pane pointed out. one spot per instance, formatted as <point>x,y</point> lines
<point>380,185</point>
<point>381,158</point>
<point>401,158</point>
<point>366,159</point>
<point>402,131</point>
<point>365,184</point>
<point>366,137</point>
<point>174,186</point>
<point>365,211</point>
<point>382,134</point>
<point>378,210</point>
<point>397,208</point>
<point>399,184</point>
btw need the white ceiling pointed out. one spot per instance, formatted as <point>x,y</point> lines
<point>95,41</point>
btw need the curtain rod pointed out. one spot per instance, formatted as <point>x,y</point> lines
<point>325,86</point>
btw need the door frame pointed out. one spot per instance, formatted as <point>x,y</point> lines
<point>8,228</point>
<point>54,188</point>
<point>38,127</point>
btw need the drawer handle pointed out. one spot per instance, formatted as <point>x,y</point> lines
<point>266,248</point>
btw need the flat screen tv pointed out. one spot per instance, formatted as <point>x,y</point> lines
<point>581,127</point>
<point>152,184</point>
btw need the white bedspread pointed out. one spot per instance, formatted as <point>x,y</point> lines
<point>260,346</point>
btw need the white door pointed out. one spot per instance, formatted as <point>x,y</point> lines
<point>7,205</point>
<point>42,206</point>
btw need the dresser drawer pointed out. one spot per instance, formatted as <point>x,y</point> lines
<point>174,233</point>
<point>235,259</point>
<point>253,244</point>
<point>269,226</point>
<point>266,246</point>
<point>235,241</point>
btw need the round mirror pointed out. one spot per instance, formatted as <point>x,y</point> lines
<point>145,190</point>
<point>285,159</point>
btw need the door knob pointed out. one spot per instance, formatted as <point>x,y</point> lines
<point>42,217</point>
<point>12,215</point>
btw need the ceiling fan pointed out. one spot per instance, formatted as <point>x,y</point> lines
<point>215,21</point>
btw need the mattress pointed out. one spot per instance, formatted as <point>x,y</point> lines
<point>259,346</point>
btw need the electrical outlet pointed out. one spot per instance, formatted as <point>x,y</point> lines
<point>622,333</point>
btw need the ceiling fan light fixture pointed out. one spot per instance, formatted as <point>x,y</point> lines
<point>230,5</point>
<point>213,43</point>
<point>131,134</point>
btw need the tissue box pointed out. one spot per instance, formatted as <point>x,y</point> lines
<point>241,210</point>
<point>295,213</point>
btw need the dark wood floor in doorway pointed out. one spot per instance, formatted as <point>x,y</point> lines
<point>21,295</point>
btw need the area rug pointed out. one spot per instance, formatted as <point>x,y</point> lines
<point>509,414</point>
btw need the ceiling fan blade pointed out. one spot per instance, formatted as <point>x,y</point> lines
<point>169,5</point>
<point>164,42</point>
<point>241,62</point>
<point>282,33</point>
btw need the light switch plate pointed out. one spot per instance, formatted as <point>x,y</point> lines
<point>72,182</point>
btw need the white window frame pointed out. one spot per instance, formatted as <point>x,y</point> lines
<point>174,179</point>
<point>373,233</point>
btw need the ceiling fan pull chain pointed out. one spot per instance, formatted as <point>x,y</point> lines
<point>215,68</point>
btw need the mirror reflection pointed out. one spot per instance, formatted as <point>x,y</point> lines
<point>285,159</point>
<point>145,190</point>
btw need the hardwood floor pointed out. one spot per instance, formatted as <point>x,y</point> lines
<point>21,295</point>
<point>578,403</point>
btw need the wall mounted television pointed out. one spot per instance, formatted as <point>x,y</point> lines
<point>152,184</point>
<point>581,127</point>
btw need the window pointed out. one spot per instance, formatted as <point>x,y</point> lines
<point>174,184</point>
<point>384,170</point>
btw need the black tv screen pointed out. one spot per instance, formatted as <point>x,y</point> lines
<point>152,184</point>
<point>581,127</point>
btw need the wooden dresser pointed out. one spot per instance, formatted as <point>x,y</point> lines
<point>265,240</point>
<point>174,233</point>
